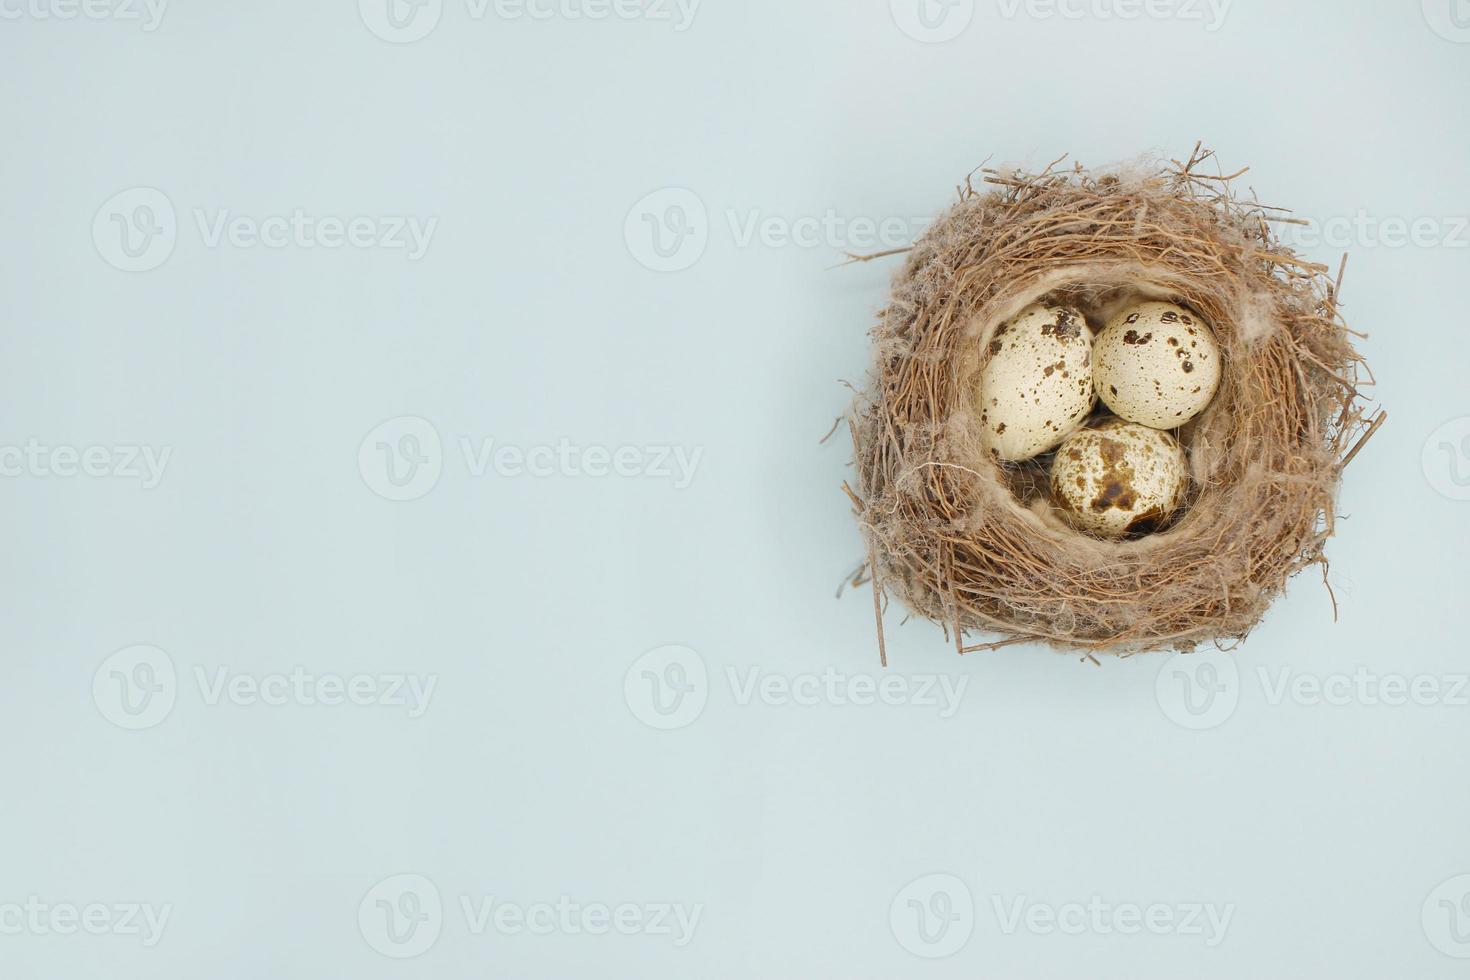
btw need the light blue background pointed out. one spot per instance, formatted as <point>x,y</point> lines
<point>530,320</point>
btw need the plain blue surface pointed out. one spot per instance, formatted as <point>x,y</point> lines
<point>793,817</point>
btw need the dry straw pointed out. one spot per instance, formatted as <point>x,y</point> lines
<point>975,545</point>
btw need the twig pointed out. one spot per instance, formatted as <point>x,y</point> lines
<point>878,610</point>
<point>853,257</point>
<point>1322,560</point>
<point>1222,179</point>
<point>1377,422</point>
<point>852,579</point>
<point>1337,286</point>
<point>998,645</point>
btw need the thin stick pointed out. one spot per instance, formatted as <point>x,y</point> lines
<point>1289,260</point>
<point>853,257</point>
<point>1330,593</point>
<point>1377,422</point>
<point>878,610</point>
<point>998,645</point>
<point>1223,179</point>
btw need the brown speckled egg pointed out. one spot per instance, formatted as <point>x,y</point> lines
<point>1156,364</point>
<point>1036,385</point>
<point>1119,478</point>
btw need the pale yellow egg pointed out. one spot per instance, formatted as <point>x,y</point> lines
<point>1119,478</point>
<point>1156,364</point>
<point>1036,384</point>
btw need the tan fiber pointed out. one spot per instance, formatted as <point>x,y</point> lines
<point>976,545</point>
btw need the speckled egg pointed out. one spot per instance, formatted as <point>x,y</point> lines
<point>1036,385</point>
<point>1156,364</point>
<point>1119,478</point>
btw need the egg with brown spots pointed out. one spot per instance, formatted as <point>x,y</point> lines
<point>1036,383</point>
<point>1119,478</point>
<point>1156,364</point>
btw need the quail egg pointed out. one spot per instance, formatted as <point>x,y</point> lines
<point>1119,478</point>
<point>1156,364</point>
<point>1036,384</point>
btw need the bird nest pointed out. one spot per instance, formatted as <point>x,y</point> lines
<point>976,544</point>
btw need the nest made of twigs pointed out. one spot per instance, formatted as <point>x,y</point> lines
<point>975,544</point>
